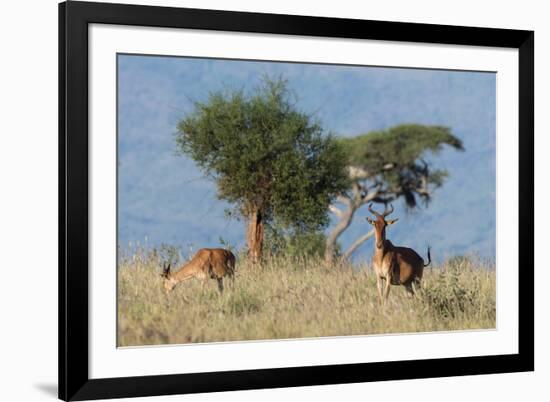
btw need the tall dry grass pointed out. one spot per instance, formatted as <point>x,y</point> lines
<point>294,298</point>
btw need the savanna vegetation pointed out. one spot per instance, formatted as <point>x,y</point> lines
<point>294,297</point>
<point>284,175</point>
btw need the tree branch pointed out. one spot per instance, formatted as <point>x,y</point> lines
<point>371,195</point>
<point>358,173</point>
<point>357,243</point>
<point>335,211</point>
<point>357,192</point>
<point>342,225</point>
<point>344,200</point>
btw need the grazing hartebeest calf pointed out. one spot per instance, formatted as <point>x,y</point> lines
<point>396,265</point>
<point>213,263</point>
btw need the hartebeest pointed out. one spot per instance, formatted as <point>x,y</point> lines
<point>395,265</point>
<point>214,263</point>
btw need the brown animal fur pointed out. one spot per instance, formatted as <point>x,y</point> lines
<point>395,265</point>
<point>207,263</point>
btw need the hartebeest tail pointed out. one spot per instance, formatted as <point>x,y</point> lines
<point>395,265</point>
<point>429,257</point>
<point>207,263</point>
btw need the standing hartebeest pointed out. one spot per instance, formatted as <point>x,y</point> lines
<point>396,265</point>
<point>214,263</point>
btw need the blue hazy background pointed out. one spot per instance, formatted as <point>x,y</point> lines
<point>164,198</point>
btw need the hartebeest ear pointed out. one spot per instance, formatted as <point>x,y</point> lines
<point>165,269</point>
<point>369,220</point>
<point>391,221</point>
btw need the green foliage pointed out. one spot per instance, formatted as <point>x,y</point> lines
<point>455,291</point>
<point>265,155</point>
<point>400,145</point>
<point>395,157</point>
<point>447,297</point>
<point>306,245</point>
<point>294,244</point>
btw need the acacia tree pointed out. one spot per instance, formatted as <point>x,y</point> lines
<point>273,162</point>
<point>384,166</point>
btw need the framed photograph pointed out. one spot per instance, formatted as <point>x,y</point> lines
<point>258,201</point>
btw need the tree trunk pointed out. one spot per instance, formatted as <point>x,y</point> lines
<point>352,203</point>
<point>330,245</point>
<point>255,236</point>
<point>357,243</point>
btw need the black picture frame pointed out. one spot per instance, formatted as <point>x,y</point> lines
<point>74,18</point>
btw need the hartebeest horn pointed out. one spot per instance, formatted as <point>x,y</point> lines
<point>165,269</point>
<point>386,212</point>
<point>372,211</point>
<point>383,215</point>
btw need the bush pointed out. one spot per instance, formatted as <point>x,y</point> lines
<point>450,295</point>
<point>279,242</point>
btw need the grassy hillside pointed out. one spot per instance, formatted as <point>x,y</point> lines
<point>292,298</point>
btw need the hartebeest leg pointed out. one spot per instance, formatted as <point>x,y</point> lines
<point>220,285</point>
<point>409,289</point>
<point>387,288</point>
<point>416,284</point>
<point>379,286</point>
